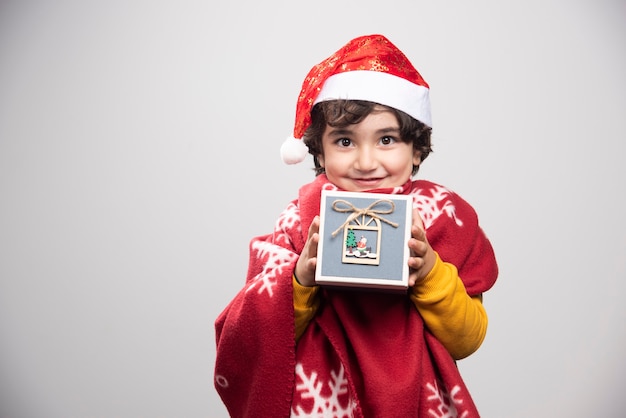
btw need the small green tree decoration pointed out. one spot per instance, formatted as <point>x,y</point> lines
<point>350,240</point>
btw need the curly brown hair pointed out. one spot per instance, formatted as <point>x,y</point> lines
<point>341,113</point>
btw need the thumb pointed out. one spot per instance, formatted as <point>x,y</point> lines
<point>417,219</point>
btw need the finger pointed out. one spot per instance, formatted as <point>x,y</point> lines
<point>311,264</point>
<point>417,219</point>
<point>314,227</point>
<point>417,247</point>
<point>305,267</point>
<point>413,271</point>
<point>418,233</point>
<point>415,263</point>
<point>313,242</point>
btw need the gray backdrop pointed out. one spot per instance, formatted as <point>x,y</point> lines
<point>139,154</point>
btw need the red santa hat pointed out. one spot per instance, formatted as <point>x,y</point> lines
<point>366,68</point>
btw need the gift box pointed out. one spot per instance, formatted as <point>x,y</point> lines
<point>364,240</point>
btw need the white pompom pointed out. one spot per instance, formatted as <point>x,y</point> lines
<point>293,151</point>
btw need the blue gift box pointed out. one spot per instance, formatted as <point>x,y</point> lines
<point>363,240</point>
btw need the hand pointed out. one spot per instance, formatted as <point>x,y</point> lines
<point>305,267</point>
<point>422,257</point>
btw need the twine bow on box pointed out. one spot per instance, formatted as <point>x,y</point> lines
<point>368,211</point>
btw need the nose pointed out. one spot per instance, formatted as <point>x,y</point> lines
<point>366,159</point>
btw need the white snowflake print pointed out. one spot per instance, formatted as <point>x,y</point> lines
<point>430,207</point>
<point>289,220</point>
<point>278,258</point>
<point>323,406</point>
<point>447,403</point>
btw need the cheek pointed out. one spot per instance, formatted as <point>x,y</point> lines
<point>338,162</point>
<point>330,160</point>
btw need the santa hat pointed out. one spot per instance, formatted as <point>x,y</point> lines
<point>366,68</point>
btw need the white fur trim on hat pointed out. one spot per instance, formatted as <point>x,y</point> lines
<point>293,151</point>
<point>384,88</point>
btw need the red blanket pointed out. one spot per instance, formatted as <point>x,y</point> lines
<point>365,354</point>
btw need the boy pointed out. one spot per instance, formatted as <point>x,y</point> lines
<point>287,347</point>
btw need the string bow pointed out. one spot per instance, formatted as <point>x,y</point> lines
<point>368,211</point>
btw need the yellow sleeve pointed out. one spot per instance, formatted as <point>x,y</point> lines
<point>305,304</point>
<point>458,320</point>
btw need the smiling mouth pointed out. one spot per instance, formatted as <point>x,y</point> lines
<point>368,180</point>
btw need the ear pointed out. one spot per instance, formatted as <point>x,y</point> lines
<point>320,160</point>
<point>417,158</point>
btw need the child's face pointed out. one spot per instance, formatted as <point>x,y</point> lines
<point>368,155</point>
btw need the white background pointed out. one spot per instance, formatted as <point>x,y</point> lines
<point>139,153</point>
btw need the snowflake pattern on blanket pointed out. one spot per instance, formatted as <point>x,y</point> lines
<point>331,399</point>
<point>261,371</point>
<point>326,399</point>
<point>434,202</point>
<point>446,405</point>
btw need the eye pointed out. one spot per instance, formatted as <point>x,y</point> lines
<point>387,140</point>
<point>344,142</point>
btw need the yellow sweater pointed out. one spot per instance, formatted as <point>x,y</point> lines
<point>458,320</point>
